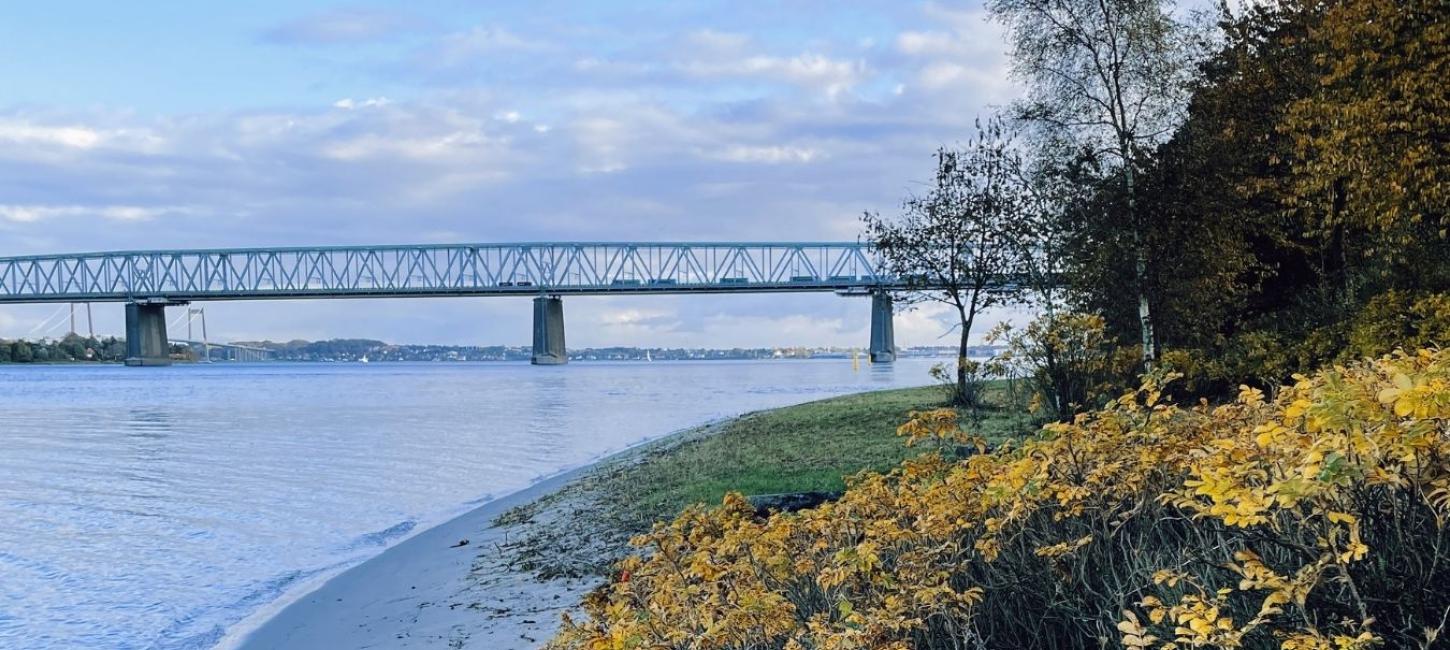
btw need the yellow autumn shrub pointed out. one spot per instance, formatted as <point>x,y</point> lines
<point>1396,318</point>
<point>1313,520</point>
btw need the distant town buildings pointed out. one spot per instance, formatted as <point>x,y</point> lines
<point>112,349</point>
<point>343,350</point>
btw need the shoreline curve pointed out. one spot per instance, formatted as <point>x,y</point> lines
<point>353,607</point>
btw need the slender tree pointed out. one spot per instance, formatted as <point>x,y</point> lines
<point>1110,76</point>
<point>959,243</point>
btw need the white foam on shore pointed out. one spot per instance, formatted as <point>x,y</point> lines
<point>482,511</point>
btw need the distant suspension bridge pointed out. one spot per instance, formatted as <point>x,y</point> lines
<point>202,349</point>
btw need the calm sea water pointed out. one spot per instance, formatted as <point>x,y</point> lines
<point>153,508</point>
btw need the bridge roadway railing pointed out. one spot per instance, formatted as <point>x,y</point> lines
<point>440,270</point>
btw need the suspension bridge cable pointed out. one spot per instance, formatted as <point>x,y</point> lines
<point>46,323</point>
<point>177,321</point>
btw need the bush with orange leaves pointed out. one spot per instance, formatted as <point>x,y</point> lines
<point>1312,521</point>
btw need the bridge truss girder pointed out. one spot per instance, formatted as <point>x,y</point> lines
<point>148,281</point>
<point>441,270</point>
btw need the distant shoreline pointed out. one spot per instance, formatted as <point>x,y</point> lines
<point>225,362</point>
<point>76,349</point>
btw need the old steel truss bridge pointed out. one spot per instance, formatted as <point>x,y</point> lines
<point>148,281</point>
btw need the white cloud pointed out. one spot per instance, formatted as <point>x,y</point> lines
<point>433,147</point>
<point>22,132</point>
<point>710,39</point>
<point>598,68</point>
<point>712,54</point>
<point>602,141</point>
<point>942,74</point>
<point>963,52</point>
<point>611,135</point>
<point>771,155</point>
<point>62,138</point>
<point>927,43</point>
<point>638,318</point>
<point>815,71</point>
<point>968,36</point>
<point>466,46</point>
<point>39,213</point>
<point>348,103</point>
<point>785,330</point>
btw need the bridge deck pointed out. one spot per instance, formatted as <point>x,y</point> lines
<point>442,270</point>
<point>214,344</point>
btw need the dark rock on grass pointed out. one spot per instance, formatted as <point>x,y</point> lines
<point>765,504</point>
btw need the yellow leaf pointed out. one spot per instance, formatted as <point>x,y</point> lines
<point>1404,408</point>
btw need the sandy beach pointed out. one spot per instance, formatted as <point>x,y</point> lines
<point>528,557</point>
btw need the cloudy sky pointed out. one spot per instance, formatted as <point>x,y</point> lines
<point>185,124</point>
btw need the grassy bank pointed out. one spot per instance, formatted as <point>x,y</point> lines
<point>809,447</point>
<point>582,529</point>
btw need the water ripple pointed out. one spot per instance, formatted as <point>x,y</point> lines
<point>155,508</point>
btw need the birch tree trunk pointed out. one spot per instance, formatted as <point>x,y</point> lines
<point>1140,271</point>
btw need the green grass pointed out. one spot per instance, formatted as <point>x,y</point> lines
<point>809,447</point>
<point>581,529</point>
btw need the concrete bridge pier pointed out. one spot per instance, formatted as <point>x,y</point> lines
<point>883,336</point>
<point>146,342</point>
<point>549,331</point>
